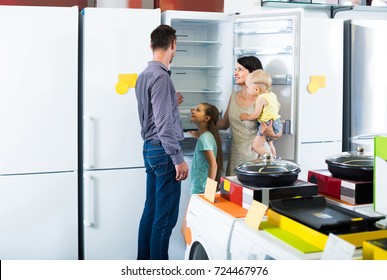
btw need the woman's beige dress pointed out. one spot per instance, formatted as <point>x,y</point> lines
<point>243,133</point>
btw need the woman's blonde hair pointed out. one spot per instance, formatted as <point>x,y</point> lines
<point>261,77</point>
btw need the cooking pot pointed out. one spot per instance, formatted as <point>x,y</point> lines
<point>267,172</point>
<point>356,165</point>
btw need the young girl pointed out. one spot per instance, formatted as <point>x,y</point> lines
<point>208,158</point>
<point>266,108</point>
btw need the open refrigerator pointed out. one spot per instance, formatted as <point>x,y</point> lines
<point>208,45</point>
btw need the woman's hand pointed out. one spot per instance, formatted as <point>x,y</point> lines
<point>268,131</point>
<point>243,116</point>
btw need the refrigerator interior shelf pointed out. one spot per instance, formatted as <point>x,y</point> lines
<point>200,43</point>
<point>263,51</point>
<point>207,91</point>
<point>186,110</point>
<point>201,67</point>
<point>263,27</point>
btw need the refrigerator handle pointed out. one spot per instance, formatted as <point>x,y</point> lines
<point>88,207</point>
<point>88,160</point>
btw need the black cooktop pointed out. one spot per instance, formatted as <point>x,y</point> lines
<point>316,213</point>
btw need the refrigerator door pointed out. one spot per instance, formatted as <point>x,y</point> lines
<point>39,216</point>
<point>115,41</point>
<point>368,85</point>
<point>274,37</point>
<point>321,81</point>
<point>320,100</point>
<point>113,204</point>
<point>203,61</point>
<point>38,89</point>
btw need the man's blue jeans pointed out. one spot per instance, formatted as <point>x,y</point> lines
<point>162,203</point>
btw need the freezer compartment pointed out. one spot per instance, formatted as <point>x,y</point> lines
<point>113,201</point>
<point>39,216</point>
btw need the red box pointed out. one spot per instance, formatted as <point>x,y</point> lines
<point>354,192</point>
<point>234,192</point>
<point>327,184</point>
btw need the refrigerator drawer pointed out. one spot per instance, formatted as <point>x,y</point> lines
<point>113,201</point>
<point>39,217</point>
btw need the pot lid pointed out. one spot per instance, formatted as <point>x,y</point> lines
<point>358,158</point>
<point>267,164</point>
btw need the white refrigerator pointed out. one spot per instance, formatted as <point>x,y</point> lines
<point>38,124</point>
<point>115,44</point>
<point>296,52</point>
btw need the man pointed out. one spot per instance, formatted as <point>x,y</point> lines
<point>162,131</point>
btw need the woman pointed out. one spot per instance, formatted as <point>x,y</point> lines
<point>243,133</point>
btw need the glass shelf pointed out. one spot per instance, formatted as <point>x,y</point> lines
<point>200,67</point>
<point>199,43</point>
<point>206,91</point>
<point>257,27</point>
<point>263,51</point>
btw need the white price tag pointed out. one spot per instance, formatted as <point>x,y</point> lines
<point>338,249</point>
